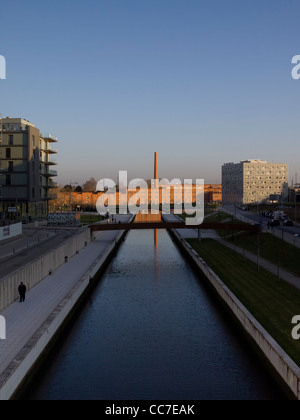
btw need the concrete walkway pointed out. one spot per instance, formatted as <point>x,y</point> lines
<point>190,233</point>
<point>23,320</point>
<point>263,263</point>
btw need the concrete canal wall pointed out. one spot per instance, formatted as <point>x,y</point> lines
<point>19,369</point>
<point>32,273</point>
<point>283,365</point>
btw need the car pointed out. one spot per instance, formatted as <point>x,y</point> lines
<point>288,223</point>
<point>276,222</point>
<point>297,235</point>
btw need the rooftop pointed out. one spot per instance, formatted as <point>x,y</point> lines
<point>22,121</point>
<point>254,161</point>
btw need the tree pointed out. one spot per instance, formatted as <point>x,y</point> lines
<point>79,189</point>
<point>67,188</point>
<point>90,185</point>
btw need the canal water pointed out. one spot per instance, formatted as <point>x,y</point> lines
<point>152,330</point>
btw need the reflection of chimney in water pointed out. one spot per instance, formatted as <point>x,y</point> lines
<point>155,238</point>
<point>156,186</point>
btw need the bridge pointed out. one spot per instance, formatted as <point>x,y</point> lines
<point>103,227</point>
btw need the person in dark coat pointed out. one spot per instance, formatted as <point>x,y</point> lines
<point>22,292</point>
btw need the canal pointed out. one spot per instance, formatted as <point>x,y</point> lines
<point>152,330</point>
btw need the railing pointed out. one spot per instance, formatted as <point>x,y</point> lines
<point>175,225</point>
<point>51,150</point>
<point>50,161</point>
<point>49,137</point>
<point>50,173</point>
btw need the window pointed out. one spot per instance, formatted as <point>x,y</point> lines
<point>33,141</point>
<point>10,166</point>
<point>8,179</point>
<point>8,153</point>
<point>11,140</point>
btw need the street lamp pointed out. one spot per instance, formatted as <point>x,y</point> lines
<point>295,192</point>
<point>70,196</point>
<point>1,192</point>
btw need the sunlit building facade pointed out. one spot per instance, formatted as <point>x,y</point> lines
<point>88,200</point>
<point>27,159</point>
<point>253,181</point>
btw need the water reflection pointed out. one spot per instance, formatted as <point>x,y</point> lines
<point>151,331</point>
<point>150,218</point>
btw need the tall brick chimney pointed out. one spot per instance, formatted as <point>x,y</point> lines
<point>155,166</point>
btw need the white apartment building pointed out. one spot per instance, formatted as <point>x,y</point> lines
<point>253,181</point>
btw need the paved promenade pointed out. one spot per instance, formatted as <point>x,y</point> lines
<point>190,233</point>
<point>24,319</point>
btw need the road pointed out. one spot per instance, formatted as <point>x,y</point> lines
<point>28,248</point>
<point>256,218</point>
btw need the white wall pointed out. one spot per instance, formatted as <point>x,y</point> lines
<point>281,362</point>
<point>10,231</point>
<point>34,272</point>
<point>19,368</point>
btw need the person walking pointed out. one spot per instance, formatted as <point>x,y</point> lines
<point>22,292</point>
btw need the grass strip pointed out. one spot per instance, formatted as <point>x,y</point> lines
<point>271,302</point>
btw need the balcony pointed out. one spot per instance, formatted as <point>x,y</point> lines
<point>51,173</point>
<point>50,162</point>
<point>51,186</point>
<point>49,138</point>
<point>51,151</point>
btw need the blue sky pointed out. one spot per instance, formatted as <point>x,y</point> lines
<point>202,82</point>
